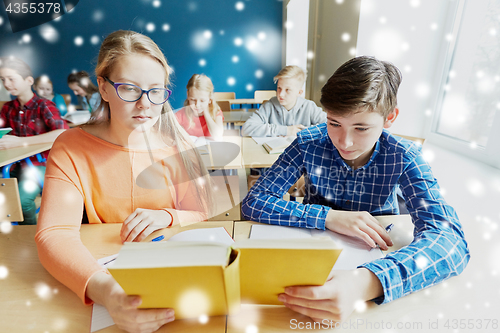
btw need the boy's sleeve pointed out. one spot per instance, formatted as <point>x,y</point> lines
<point>264,202</point>
<point>258,124</point>
<point>438,250</point>
<point>318,116</point>
<point>52,117</point>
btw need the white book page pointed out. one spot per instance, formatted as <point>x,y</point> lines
<point>354,251</point>
<point>100,316</point>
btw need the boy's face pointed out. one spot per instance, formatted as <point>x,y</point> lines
<point>355,135</point>
<point>14,82</point>
<point>287,91</point>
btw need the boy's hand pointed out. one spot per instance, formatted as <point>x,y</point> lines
<point>292,130</point>
<point>12,141</point>
<point>337,298</point>
<point>142,222</point>
<point>123,309</point>
<point>358,224</point>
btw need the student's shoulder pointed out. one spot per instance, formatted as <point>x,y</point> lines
<point>72,136</point>
<point>392,144</point>
<point>40,102</point>
<point>313,135</point>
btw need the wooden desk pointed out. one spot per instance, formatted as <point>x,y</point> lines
<point>255,156</point>
<point>33,301</point>
<point>225,154</point>
<point>450,300</point>
<point>237,117</point>
<point>12,155</point>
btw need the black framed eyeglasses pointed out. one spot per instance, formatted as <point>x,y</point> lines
<point>131,93</point>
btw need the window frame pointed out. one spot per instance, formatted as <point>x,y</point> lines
<point>489,154</point>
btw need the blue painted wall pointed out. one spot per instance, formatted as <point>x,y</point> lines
<point>236,43</point>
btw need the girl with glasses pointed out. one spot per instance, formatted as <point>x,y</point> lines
<point>201,116</point>
<point>131,163</point>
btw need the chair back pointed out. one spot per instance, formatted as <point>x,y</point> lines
<point>224,105</point>
<point>10,209</point>
<point>261,95</point>
<point>2,103</point>
<point>224,96</point>
<point>67,99</point>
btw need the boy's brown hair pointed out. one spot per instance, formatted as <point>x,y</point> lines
<point>362,83</point>
<point>17,65</point>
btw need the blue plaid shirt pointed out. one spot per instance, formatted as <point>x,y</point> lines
<point>438,250</point>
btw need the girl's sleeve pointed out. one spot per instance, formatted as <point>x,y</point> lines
<point>60,248</point>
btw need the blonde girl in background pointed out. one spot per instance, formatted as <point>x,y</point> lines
<point>201,116</point>
<point>132,163</point>
<point>44,88</point>
<point>86,92</point>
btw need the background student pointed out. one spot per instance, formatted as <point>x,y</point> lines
<point>287,113</point>
<point>132,164</point>
<point>201,116</point>
<point>33,120</point>
<point>85,90</point>
<point>44,88</point>
<point>352,168</point>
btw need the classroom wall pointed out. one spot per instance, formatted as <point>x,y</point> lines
<point>411,35</point>
<point>332,39</point>
<point>236,43</point>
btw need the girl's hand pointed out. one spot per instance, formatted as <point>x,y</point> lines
<point>142,222</point>
<point>123,309</point>
<point>358,224</point>
<point>11,141</point>
<point>337,298</point>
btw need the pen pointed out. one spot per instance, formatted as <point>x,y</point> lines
<point>389,227</point>
<point>159,238</point>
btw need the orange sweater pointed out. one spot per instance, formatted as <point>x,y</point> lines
<point>85,170</point>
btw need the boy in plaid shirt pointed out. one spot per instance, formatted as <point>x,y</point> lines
<point>33,120</point>
<point>352,167</point>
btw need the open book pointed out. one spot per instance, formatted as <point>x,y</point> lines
<point>77,117</point>
<point>100,316</point>
<point>278,145</point>
<point>199,278</point>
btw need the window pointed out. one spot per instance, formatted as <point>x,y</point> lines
<point>468,102</point>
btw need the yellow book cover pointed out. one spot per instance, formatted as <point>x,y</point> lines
<point>193,278</point>
<point>268,266</point>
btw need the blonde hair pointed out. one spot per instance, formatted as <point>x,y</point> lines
<point>17,65</point>
<point>203,83</point>
<point>122,43</point>
<point>291,72</point>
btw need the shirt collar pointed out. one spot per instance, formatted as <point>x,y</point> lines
<point>29,104</point>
